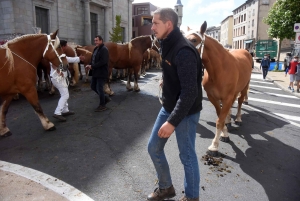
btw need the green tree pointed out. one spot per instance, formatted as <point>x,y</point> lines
<point>281,19</point>
<point>116,35</point>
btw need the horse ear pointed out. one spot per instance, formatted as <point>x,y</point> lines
<point>203,27</point>
<point>53,35</point>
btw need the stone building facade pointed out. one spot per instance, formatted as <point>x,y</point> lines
<point>78,21</point>
<point>226,31</point>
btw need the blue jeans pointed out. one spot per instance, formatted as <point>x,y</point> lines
<point>97,86</point>
<point>186,136</point>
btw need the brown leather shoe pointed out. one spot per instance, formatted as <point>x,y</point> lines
<point>59,117</point>
<point>67,113</point>
<point>161,194</point>
<point>184,198</point>
<point>100,108</point>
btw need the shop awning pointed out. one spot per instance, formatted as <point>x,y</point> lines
<point>248,41</point>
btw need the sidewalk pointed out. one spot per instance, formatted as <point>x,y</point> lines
<point>278,78</point>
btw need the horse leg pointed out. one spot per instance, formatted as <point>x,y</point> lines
<point>40,77</point>
<point>244,92</point>
<point>106,87</point>
<point>220,124</point>
<point>86,75</point>
<point>4,131</point>
<point>128,85</point>
<point>75,74</point>
<point>32,98</point>
<point>228,119</point>
<point>52,90</point>
<point>246,97</point>
<point>80,73</point>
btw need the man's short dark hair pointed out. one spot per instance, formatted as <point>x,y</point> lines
<point>63,43</point>
<point>166,14</point>
<point>99,37</point>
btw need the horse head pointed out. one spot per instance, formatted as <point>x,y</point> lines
<point>198,40</point>
<point>54,53</point>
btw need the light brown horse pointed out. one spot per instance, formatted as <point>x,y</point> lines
<point>123,56</point>
<point>88,56</point>
<point>73,67</point>
<point>226,76</point>
<point>18,61</point>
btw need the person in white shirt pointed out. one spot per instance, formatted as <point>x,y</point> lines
<point>59,80</point>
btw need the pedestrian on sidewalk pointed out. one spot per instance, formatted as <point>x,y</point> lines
<point>59,80</point>
<point>287,61</point>
<point>99,67</point>
<point>297,77</point>
<point>292,71</point>
<point>265,65</point>
<point>181,106</point>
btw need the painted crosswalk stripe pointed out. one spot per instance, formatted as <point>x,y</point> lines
<point>273,115</point>
<point>262,82</point>
<point>258,86</point>
<point>289,117</point>
<point>273,94</point>
<point>274,102</point>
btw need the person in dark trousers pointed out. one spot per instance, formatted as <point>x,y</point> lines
<point>265,65</point>
<point>99,67</point>
<point>181,106</point>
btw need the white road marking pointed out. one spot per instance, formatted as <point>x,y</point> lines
<point>56,185</point>
<point>289,117</point>
<point>258,86</point>
<point>274,102</point>
<point>272,115</point>
<point>262,82</point>
<point>273,94</point>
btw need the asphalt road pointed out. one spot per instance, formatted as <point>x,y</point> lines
<point>104,154</point>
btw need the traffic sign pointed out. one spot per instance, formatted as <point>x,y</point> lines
<point>297,38</point>
<point>297,27</point>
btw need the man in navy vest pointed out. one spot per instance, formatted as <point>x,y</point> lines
<point>181,106</point>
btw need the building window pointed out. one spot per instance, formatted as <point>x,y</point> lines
<point>123,34</point>
<point>252,35</point>
<point>41,16</point>
<point>253,23</point>
<point>142,10</point>
<point>253,12</point>
<point>146,21</point>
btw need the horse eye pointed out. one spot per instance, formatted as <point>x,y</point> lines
<point>193,40</point>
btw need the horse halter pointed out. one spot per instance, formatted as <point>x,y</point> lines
<point>58,56</point>
<point>201,44</point>
<point>153,43</point>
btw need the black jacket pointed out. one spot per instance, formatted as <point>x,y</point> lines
<point>182,77</point>
<point>100,66</point>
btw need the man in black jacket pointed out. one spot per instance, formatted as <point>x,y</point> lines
<point>99,67</point>
<point>181,106</point>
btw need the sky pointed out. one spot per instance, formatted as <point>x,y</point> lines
<point>195,12</point>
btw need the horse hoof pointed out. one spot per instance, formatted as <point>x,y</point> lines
<point>137,90</point>
<point>212,153</point>
<point>245,103</point>
<point>129,89</point>
<point>228,125</point>
<point>224,139</point>
<point>238,123</point>
<point>7,134</point>
<point>53,128</point>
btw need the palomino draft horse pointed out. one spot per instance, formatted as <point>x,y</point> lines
<point>227,75</point>
<point>18,61</point>
<point>88,57</point>
<point>123,56</point>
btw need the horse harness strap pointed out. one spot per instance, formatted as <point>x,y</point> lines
<point>23,59</point>
<point>46,49</point>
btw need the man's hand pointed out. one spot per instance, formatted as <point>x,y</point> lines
<point>89,67</point>
<point>82,58</point>
<point>166,130</point>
